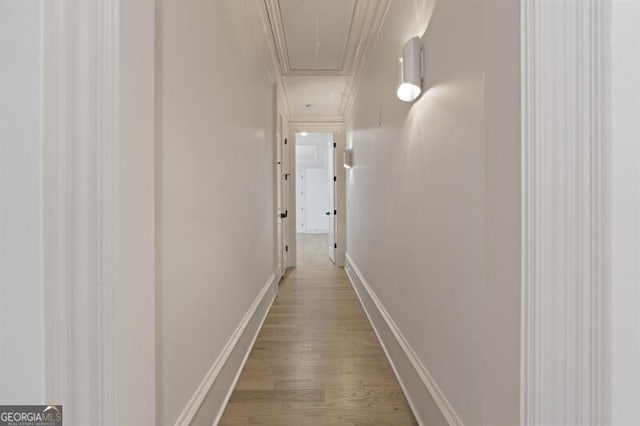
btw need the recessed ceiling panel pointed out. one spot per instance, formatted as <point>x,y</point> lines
<point>316,32</point>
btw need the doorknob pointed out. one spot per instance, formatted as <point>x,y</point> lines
<point>328,213</point>
<point>285,214</point>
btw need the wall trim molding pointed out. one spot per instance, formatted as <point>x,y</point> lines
<point>367,21</point>
<point>81,201</point>
<point>338,129</point>
<point>359,34</point>
<point>416,381</point>
<point>316,119</point>
<point>377,18</point>
<point>108,174</point>
<point>247,331</point>
<point>563,209</point>
<point>257,16</point>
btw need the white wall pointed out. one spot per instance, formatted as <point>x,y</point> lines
<point>135,297</point>
<point>433,198</point>
<point>623,308</point>
<point>502,200</point>
<point>215,187</point>
<point>21,303</point>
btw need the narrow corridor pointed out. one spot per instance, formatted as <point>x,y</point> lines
<point>317,360</point>
<point>474,164</point>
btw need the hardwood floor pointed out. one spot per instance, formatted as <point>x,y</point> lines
<point>317,360</point>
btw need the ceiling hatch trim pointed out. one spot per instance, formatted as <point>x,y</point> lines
<point>347,48</point>
<point>357,31</point>
<point>366,22</point>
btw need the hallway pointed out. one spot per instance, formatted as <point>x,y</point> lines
<point>320,212</point>
<point>317,360</point>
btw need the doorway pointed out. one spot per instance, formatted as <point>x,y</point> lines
<point>315,198</point>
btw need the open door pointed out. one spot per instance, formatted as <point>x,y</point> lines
<point>332,200</point>
<point>280,202</point>
<point>286,214</point>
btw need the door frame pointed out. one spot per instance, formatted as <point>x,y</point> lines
<point>564,211</point>
<point>278,199</point>
<point>281,161</point>
<point>98,155</point>
<point>340,233</point>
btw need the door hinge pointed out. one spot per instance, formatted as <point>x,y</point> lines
<point>334,145</point>
<point>335,179</point>
<point>335,245</point>
<point>335,212</point>
<point>285,141</point>
<point>286,248</point>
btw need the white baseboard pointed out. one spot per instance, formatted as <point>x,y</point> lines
<point>427,401</point>
<point>212,395</point>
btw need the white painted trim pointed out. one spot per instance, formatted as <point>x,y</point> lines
<point>267,293</point>
<point>563,209</point>
<point>338,129</point>
<point>108,182</point>
<point>56,223</point>
<point>415,380</point>
<point>314,231</point>
<point>316,119</point>
<point>358,34</point>
<point>375,26</point>
<point>258,18</point>
<point>367,21</point>
<point>81,165</point>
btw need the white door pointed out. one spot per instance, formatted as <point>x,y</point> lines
<point>332,200</point>
<point>301,202</point>
<point>317,206</point>
<point>286,214</point>
<point>280,201</point>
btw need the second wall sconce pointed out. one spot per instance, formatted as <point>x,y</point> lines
<point>411,71</point>
<point>348,158</point>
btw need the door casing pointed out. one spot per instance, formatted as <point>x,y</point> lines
<point>340,232</point>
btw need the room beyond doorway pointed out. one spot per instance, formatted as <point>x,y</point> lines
<point>315,198</point>
<point>312,251</point>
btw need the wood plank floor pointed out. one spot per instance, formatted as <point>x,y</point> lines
<point>317,360</point>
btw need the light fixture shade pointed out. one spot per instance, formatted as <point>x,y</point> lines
<point>348,158</point>
<point>410,72</point>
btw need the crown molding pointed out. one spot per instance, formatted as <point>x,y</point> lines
<point>564,147</point>
<point>376,14</point>
<point>276,33</point>
<point>366,23</point>
<point>258,18</point>
<point>356,32</point>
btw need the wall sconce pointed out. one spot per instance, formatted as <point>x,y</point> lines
<point>411,71</point>
<point>348,158</point>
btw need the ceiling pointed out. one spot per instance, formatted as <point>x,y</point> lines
<point>316,33</point>
<point>315,95</point>
<point>320,46</point>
